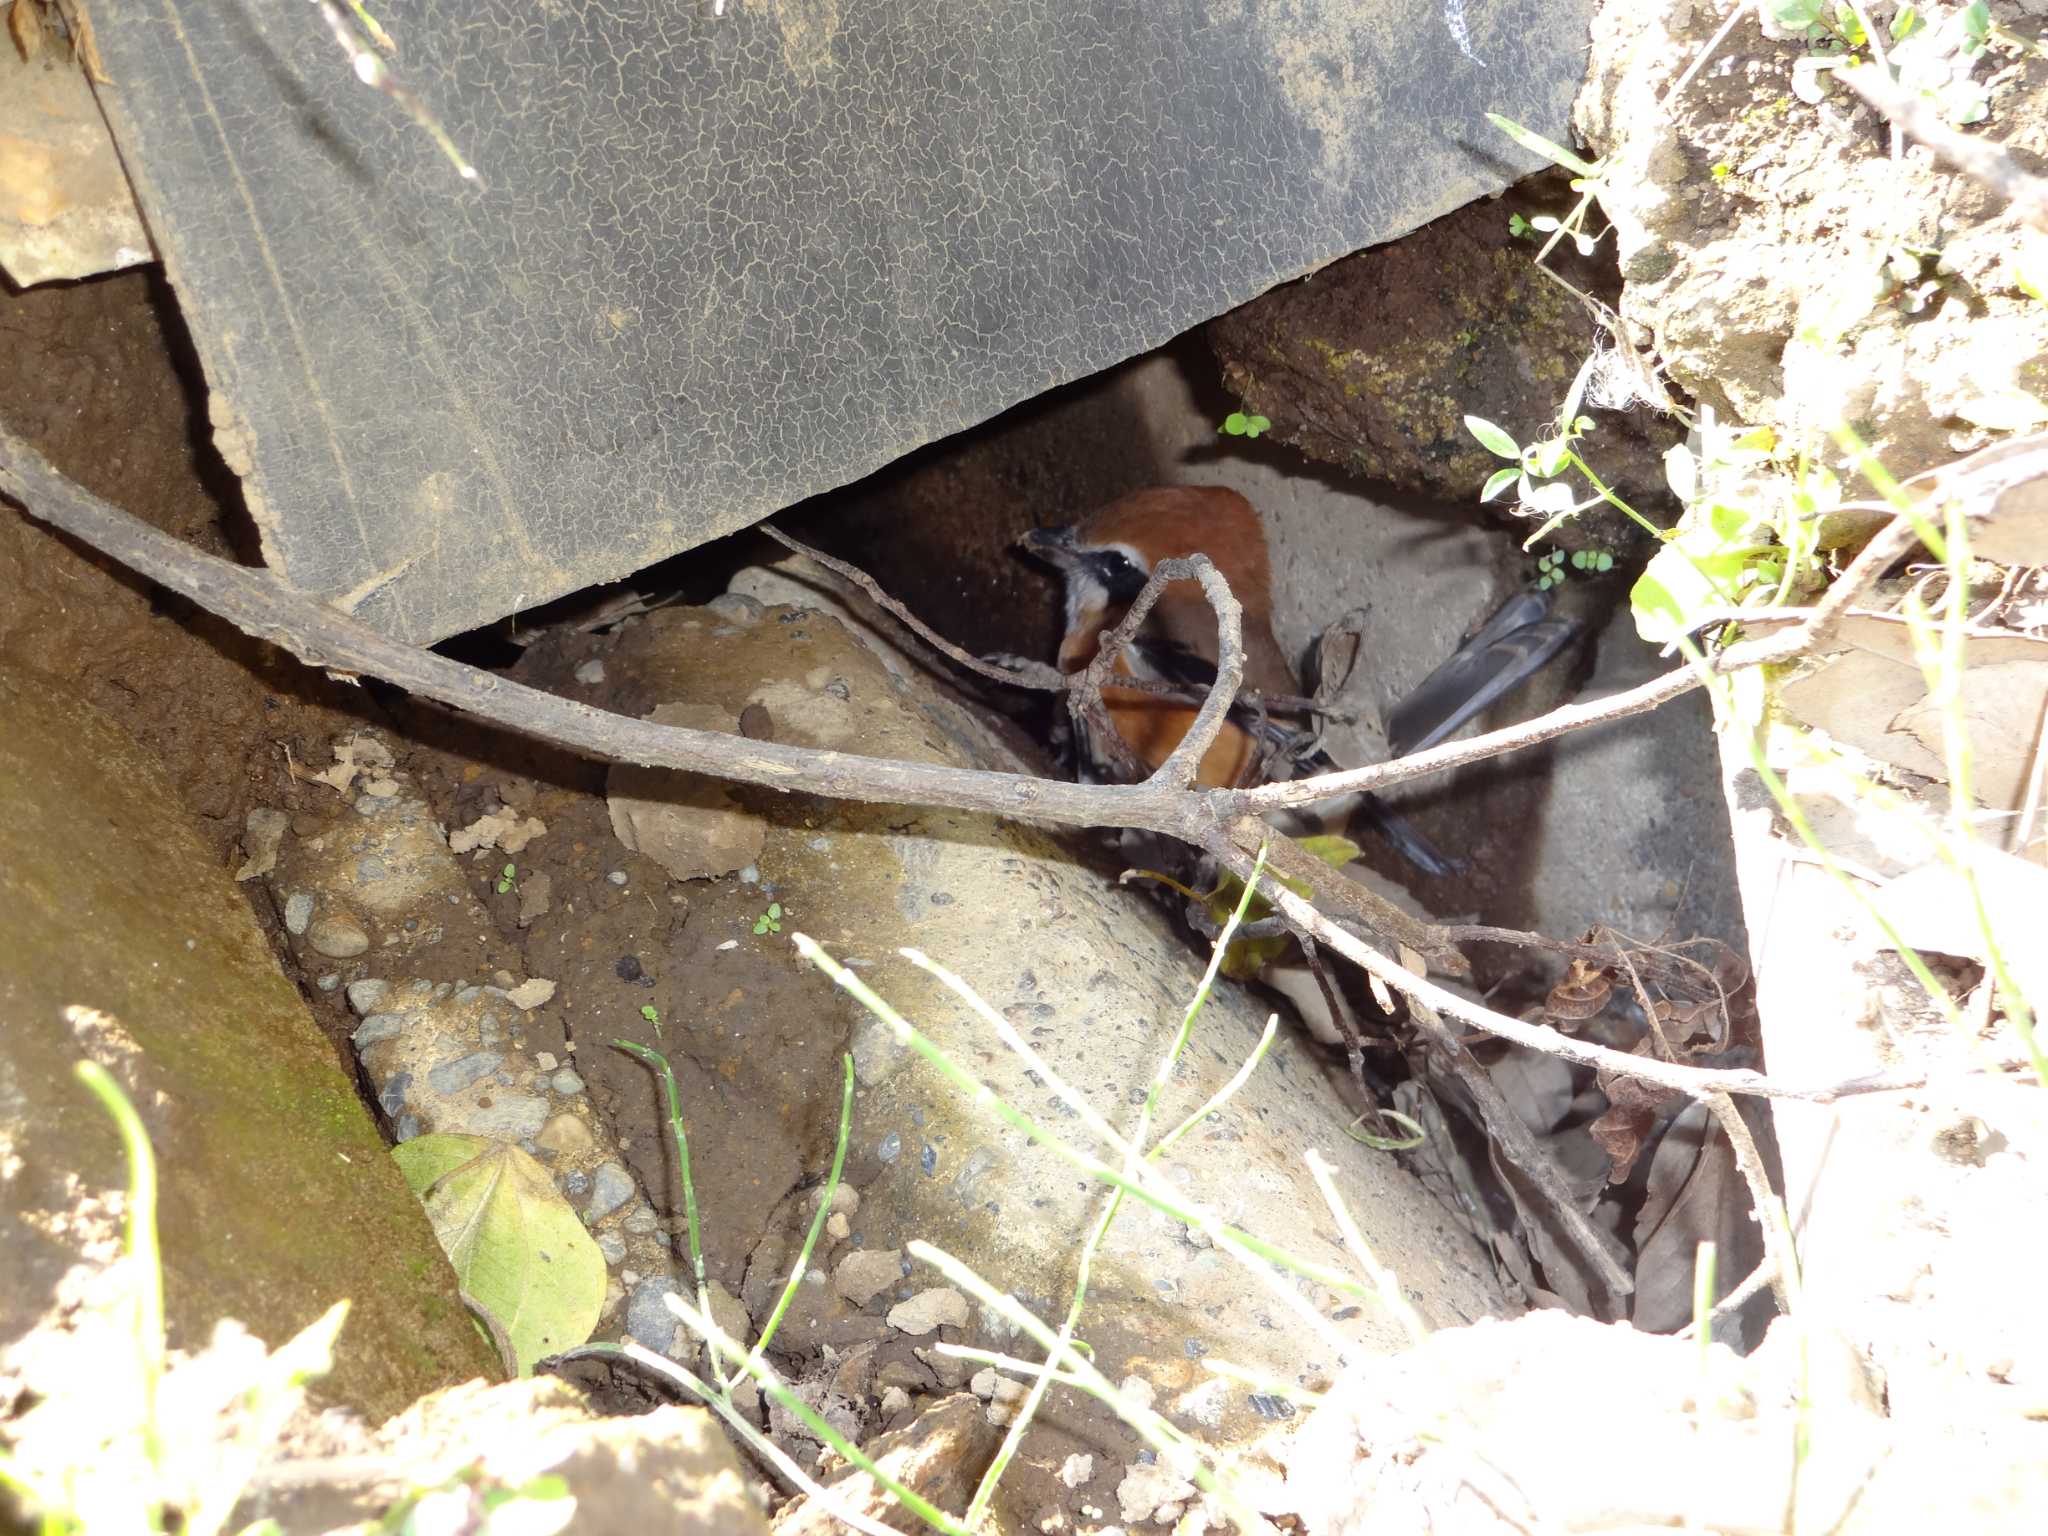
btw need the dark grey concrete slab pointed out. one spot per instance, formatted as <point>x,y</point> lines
<point>718,266</point>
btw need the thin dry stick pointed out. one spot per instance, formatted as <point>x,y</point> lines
<point>1989,165</point>
<point>1026,674</point>
<point>1215,820</point>
<point>1023,672</point>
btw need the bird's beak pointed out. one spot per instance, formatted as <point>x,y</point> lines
<point>1055,546</point>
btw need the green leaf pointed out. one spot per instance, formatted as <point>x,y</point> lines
<point>1247,957</point>
<point>649,1013</point>
<point>1906,22</point>
<point>774,910</point>
<point>1536,144</point>
<point>1573,399</point>
<point>1681,472</point>
<point>1235,423</point>
<point>1332,850</point>
<point>1552,498</point>
<point>2029,269</point>
<point>1518,226</point>
<point>1492,439</point>
<point>1603,561</point>
<point>1849,25</point>
<point>517,1245</point>
<point>1499,481</point>
<point>1795,14</point>
<point>1977,22</point>
<point>1548,457</point>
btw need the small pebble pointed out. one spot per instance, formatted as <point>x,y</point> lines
<point>378,1026</point>
<point>509,1117</point>
<point>617,877</point>
<point>591,672</point>
<point>628,968</point>
<point>938,1307</point>
<point>928,1159</point>
<point>547,1061</point>
<point>566,1134</point>
<point>454,1076</point>
<point>751,875</point>
<point>837,1226</point>
<point>612,1246</point>
<point>367,996</point>
<point>611,1188</point>
<point>337,936</point>
<point>649,1320</point>
<point>566,1082</point>
<point>298,911</point>
<point>890,1149</point>
<point>328,982</point>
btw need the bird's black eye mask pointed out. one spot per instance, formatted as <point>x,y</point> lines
<point>1122,577</point>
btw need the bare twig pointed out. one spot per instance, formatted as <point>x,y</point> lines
<point>1989,165</point>
<point>1218,821</point>
<point>1707,51</point>
<point>1024,675</point>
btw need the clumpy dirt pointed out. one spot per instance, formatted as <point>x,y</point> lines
<point>1788,269</point>
<point>99,377</point>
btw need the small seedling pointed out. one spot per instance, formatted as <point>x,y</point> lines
<point>1238,424</point>
<point>651,1014</point>
<point>506,876</point>
<point>771,920</point>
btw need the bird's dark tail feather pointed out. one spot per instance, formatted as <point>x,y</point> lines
<point>1405,838</point>
<point>1507,649</point>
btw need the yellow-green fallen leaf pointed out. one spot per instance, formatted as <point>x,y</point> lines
<point>1247,957</point>
<point>517,1245</point>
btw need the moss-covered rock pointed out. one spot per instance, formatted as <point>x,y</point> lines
<point>278,1195</point>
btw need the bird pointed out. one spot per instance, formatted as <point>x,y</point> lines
<point>1105,561</point>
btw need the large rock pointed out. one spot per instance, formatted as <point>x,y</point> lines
<point>278,1197</point>
<point>1089,972</point>
<point>1790,272</point>
<point>1373,363</point>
